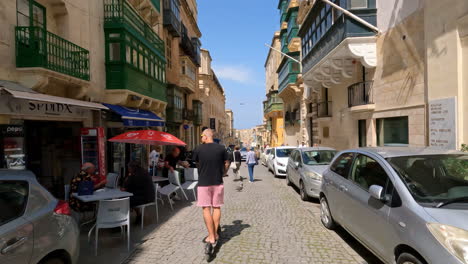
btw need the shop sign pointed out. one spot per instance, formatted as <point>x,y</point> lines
<point>12,130</point>
<point>443,123</point>
<point>13,106</point>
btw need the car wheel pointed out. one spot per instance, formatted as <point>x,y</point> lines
<point>304,196</point>
<point>53,260</point>
<point>407,258</point>
<point>325,214</point>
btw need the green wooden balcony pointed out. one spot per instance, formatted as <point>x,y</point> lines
<point>198,113</point>
<point>273,104</point>
<point>119,14</point>
<point>37,47</point>
<point>156,4</point>
<point>287,73</point>
<point>319,41</point>
<point>122,76</point>
<point>174,115</point>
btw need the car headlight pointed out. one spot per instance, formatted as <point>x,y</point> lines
<point>314,175</point>
<point>454,239</point>
<point>280,164</point>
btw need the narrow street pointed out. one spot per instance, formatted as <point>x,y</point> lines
<point>264,223</point>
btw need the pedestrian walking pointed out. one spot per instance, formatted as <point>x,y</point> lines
<point>251,161</point>
<point>236,160</point>
<point>212,162</point>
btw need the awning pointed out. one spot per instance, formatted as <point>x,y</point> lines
<point>21,92</point>
<point>136,117</point>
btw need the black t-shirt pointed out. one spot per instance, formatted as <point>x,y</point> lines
<point>210,158</point>
<point>172,161</point>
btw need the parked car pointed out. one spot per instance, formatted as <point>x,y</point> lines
<point>243,153</point>
<point>34,226</point>
<point>278,160</point>
<point>305,169</point>
<point>264,156</point>
<point>407,205</point>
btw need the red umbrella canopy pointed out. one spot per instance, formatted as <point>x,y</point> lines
<point>148,137</point>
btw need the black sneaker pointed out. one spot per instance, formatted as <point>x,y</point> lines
<point>208,248</point>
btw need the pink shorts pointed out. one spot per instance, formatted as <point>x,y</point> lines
<point>210,196</point>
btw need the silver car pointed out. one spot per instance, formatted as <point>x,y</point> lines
<point>264,156</point>
<point>305,169</point>
<point>243,153</point>
<point>34,226</point>
<point>407,205</point>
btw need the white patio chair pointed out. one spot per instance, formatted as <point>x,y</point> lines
<point>111,214</point>
<point>173,186</point>
<point>155,204</point>
<point>191,180</point>
<point>112,180</point>
<point>66,189</point>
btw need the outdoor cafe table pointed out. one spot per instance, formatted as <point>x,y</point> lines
<point>103,194</point>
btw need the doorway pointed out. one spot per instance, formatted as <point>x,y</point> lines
<point>53,152</point>
<point>362,133</point>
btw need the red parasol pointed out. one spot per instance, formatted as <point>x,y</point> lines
<point>148,137</point>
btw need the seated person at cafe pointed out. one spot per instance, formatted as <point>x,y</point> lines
<point>172,160</point>
<point>140,184</point>
<point>87,173</point>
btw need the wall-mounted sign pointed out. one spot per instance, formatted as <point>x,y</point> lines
<point>443,123</point>
<point>12,130</point>
<point>13,106</point>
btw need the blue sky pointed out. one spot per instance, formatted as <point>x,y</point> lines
<point>235,31</point>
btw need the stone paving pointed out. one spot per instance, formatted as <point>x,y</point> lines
<point>266,222</point>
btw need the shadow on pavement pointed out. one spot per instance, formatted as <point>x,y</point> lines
<point>368,256</point>
<point>227,233</point>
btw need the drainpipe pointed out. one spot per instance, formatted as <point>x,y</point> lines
<point>353,16</point>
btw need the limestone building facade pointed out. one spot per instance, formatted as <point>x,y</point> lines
<point>380,86</point>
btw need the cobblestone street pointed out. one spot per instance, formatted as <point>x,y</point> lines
<point>266,222</point>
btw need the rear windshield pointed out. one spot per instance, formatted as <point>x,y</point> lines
<point>321,157</point>
<point>433,178</point>
<point>283,153</point>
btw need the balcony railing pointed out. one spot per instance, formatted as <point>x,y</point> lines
<point>360,94</point>
<point>119,13</point>
<point>171,22</point>
<point>37,47</point>
<point>188,114</point>
<point>324,109</point>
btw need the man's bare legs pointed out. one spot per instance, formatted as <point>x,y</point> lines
<point>216,220</point>
<point>212,220</point>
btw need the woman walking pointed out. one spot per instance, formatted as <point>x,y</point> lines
<point>251,161</point>
<point>237,159</point>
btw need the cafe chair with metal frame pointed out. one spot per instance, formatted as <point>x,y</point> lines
<point>191,180</point>
<point>173,186</point>
<point>111,214</point>
<point>155,204</point>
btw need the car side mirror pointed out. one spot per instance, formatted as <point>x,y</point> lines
<point>377,192</point>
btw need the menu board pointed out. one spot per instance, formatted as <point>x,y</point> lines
<point>443,123</point>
